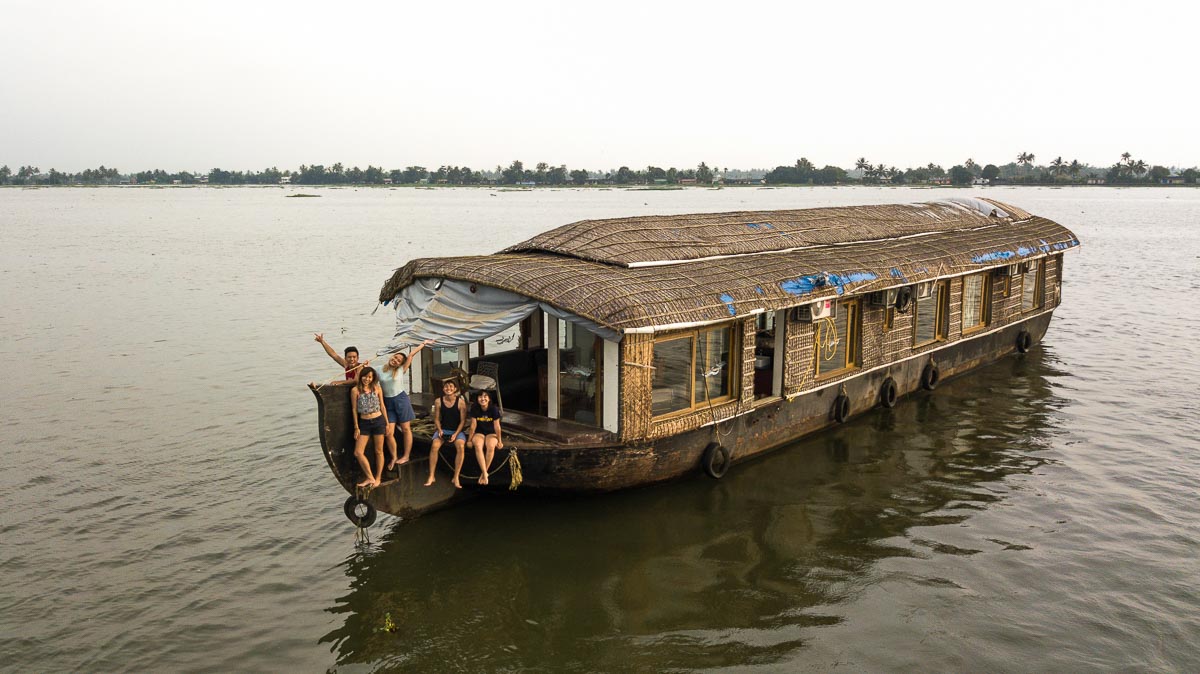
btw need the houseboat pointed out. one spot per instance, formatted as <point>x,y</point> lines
<point>626,352</point>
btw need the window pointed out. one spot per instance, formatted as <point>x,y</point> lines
<point>768,333</point>
<point>692,369</point>
<point>443,360</point>
<point>580,362</point>
<point>930,315</point>
<point>976,302</point>
<point>1031,285</point>
<point>504,341</point>
<point>838,340</point>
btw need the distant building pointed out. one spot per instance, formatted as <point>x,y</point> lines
<point>1095,181</point>
<point>285,180</point>
<point>687,181</point>
<point>387,181</point>
<point>1172,180</point>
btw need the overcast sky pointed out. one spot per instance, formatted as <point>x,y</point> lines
<point>247,85</point>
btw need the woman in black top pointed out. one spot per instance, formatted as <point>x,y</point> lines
<point>485,432</point>
<point>449,420</point>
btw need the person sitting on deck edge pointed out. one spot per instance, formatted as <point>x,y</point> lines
<point>349,363</point>
<point>485,432</point>
<point>448,412</point>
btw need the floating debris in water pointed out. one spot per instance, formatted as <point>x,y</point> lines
<point>389,625</point>
<point>296,196</point>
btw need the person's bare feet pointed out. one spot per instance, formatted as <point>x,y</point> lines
<point>403,460</point>
<point>391,465</point>
<point>457,485</point>
<point>483,479</point>
<point>369,482</point>
<point>429,482</point>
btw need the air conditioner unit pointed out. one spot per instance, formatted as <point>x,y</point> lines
<point>816,311</point>
<point>882,298</point>
<point>924,290</point>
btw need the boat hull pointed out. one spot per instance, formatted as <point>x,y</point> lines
<point>597,468</point>
<point>765,427</point>
<point>403,492</point>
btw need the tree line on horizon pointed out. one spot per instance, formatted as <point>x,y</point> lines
<point>1126,171</point>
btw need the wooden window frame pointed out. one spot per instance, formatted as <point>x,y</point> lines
<point>733,367</point>
<point>985,303</point>
<point>941,317</point>
<point>853,336</point>
<point>1039,286</point>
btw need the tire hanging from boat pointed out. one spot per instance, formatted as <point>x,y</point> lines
<point>350,507</point>
<point>841,408</point>
<point>715,460</point>
<point>1024,341</point>
<point>887,393</point>
<point>930,376</point>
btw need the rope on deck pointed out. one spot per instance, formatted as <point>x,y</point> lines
<point>513,463</point>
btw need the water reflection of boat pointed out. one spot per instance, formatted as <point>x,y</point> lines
<point>695,574</point>
<point>633,351</point>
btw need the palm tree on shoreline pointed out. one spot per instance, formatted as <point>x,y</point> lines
<point>1058,167</point>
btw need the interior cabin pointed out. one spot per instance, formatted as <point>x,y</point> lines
<point>648,327</point>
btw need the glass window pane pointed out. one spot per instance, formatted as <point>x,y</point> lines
<point>578,354</point>
<point>972,301</point>
<point>671,389</point>
<point>443,360</point>
<point>712,364</point>
<point>832,341</point>
<point>927,316</point>
<point>506,340</point>
<point>1029,287</point>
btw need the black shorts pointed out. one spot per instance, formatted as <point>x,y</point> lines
<point>374,426</point>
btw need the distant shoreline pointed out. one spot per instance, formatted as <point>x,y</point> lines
<point>632,188</point>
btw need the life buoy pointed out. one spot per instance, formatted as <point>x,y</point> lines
<point>930,377</point>
<point>1024,341</point>
<point>903,299</point>
<point>841,408</point>
<point>716,460</point>
<point>887,393</point>
<point>351,509</point>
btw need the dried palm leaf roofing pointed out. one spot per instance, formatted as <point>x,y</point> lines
<point>661,271</point>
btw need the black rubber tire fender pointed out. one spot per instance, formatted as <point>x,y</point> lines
<point>887,393</point>
<point>930,377</point>
<point>351,510</point>
<point>1024,341</point>
<point>716,460</point>
<point>841,408</point>
<point>904,299</point>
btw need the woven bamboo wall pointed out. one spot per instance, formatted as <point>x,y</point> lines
<point>637,375</point>
<point>879,346</point>
<point>798,357</point>
<point>749,332</point>
<point>954,328</point>
<point>874,338</point>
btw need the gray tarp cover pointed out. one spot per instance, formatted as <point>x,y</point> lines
<point>451,314</point>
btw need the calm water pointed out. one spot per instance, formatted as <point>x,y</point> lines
<point>164,504</point>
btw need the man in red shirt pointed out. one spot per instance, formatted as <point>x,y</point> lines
<point>349,362</point>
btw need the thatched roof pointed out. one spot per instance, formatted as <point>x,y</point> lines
<point>652,271</point>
